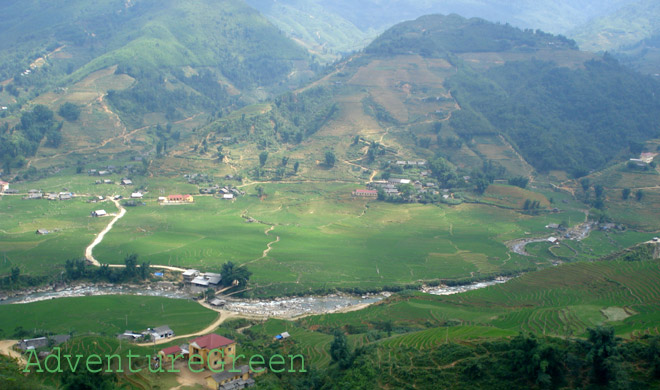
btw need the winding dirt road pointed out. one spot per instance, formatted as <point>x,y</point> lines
<point>222,317</point>
<point>88,251</point>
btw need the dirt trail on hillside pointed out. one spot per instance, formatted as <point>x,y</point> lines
<point>88,251</point>
<point>6,349</point>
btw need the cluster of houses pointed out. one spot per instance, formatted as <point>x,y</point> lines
<point>215,353</point>
<point>226,192</point>
<point>38,194</point>
<point>112,169</point>
<point>410,164</point>
<point>201,280</point>
<point>391,188</point>
<point>124,181</point>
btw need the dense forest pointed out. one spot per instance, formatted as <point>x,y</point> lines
<point>560,118</point>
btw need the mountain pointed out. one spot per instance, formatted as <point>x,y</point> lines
<point>628,25</point>
<point>332,27</point>
<point>134,63</point>
<point>487,97</point>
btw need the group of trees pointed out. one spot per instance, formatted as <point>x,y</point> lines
<point>76,269</point>
<point>23,139</point>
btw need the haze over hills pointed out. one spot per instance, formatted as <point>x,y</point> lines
<point>331,27</point>
<point>632,23</point>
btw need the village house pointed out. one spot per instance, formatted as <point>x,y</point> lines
<point>217,302</point>
<point>213,350</point>
<point>366,193</point>
<point>136,195</point>
<point>35,195</point>
<point>170,353</point>
<point>229,380</point>
<point>180,199</point>
<point>190,274</point>
<point>126,182</point>
<point>128,335</point>
<point>42,342</point>
<point>161,332</point>
<point>99,213</point>
<point>553,240</point>
<point>647,157</point>
<point>65,195</point>
<point>227,196</point>
<point>42,231</point>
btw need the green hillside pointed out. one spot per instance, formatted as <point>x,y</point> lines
<point>633,22</point>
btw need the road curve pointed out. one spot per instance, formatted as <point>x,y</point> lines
<point>88,251</point>
<point>99,238</point>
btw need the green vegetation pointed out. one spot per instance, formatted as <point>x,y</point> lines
<point>577,137</point>
<point>102,315</point>
<point>438,36</point>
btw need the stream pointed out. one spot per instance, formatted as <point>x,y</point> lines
<point>285,307</point>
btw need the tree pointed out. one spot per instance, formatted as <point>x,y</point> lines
<point>339,350</point>
<point>330,158</point>
<point>260,191</point>
<point>231,273</point>
<point>69,111</point>
<point>263,157</point>
<point>481,184</point>
<point>285,160</point>
<point>603,354</point>
<point>519,181</point>
<point>625,193</point>
<point>639,195</point>
<point>130,263</point>
<point>586,183</point>
<point>599,190</point>
<point>221,154</point>
<point>144,270</point>
<point>296,165</point>
<point>15,273</point>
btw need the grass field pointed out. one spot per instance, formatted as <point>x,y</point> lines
<point>71,226</point>
<point>326,238</point>
<point>561,301</point>
<point>105,315</point>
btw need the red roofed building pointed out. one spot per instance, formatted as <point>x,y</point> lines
<point>213,350</point>
<point>170,353</point>
<point>180,198</point>
<point>366,193</point>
